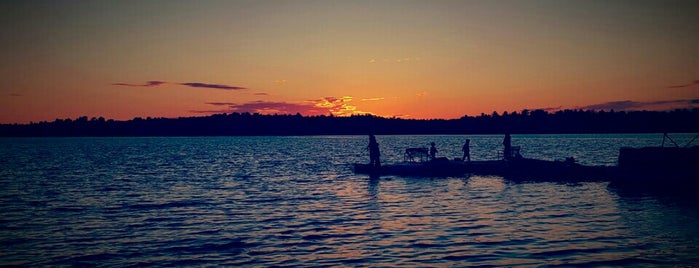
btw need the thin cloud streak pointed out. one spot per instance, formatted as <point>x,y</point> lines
<point>214,86</point>
<point>628,105</point>
<point>147,84</point>
<point>221,103</point>
<point>548,109</point>
<point>693,83</point>
<point>189,84</point>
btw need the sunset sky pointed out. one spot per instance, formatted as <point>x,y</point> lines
<point>409,59</point>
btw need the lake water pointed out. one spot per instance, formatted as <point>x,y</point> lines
<point>294,201</point>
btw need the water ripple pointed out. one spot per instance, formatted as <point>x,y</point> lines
<point>120,202</point>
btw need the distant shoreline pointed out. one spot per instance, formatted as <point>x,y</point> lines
<point>246,124</point>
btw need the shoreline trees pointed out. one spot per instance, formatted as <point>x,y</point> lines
<point>247,124</point>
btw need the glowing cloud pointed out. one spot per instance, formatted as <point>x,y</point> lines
<point>373,99</point>
<point>337,106</point>
<point>323,106</point>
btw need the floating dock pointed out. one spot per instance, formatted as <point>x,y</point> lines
<point>522,168</point>
<point>675,168</point>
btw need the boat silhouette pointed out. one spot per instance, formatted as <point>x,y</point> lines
<point>671,167</point>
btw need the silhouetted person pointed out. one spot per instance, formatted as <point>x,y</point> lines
<point>467,150</point>
<point>374,153</point>
<point>433,151</point>
<point>507,152</point>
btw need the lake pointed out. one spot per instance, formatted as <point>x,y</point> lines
<point>294,201</point>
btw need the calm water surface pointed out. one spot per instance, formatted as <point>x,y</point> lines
<point>294,201</point>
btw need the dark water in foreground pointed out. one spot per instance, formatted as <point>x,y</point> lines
<point>294,201</point>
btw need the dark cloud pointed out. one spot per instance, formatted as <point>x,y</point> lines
<point>640,105</point>
<point>271,107</point>
<point>549,109</point>
<point>693,83</point>
<point>147,84</point>
<point>613,105</point>
<point>261,94</point>
<point>214,86</point>
<point>15,95</point>
<point>264,107</point>
<point>190,84</point>
<point>209,112</point>
<point>221,103</point>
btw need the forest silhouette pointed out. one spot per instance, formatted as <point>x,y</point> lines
<point>247,124</point>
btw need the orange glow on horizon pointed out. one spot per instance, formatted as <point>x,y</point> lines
<point>418,59</point>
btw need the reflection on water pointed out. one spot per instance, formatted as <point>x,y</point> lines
<point>291,201</point>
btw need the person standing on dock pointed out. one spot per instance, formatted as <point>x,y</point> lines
<point>433,151</point>
<point>374,153</point>
<point>467,150</point>
<point>507,143</point>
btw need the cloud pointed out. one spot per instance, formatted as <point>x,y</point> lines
<point>628,105</point>
<point>421,94</point>
<point>330,102</point>
<point>189,84</point>
<point>271,107</point>
<point>147,84</point>
<point>209,112</point>
<point>373,99</point>
<point>548,109</point>
<point>261,94</point>
<point>693,83</point>
<point>614,105</point>
<point>221,103</point>
<point>15,95</point>
<point>338,106</point>
<point>214,86</point>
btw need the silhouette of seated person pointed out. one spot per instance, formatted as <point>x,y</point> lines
<point>374,153</point>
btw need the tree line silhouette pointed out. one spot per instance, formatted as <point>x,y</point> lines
<point>247,124</point>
